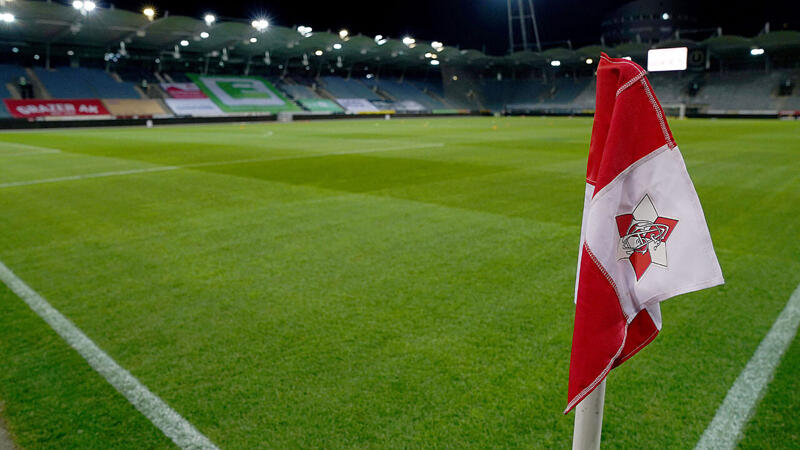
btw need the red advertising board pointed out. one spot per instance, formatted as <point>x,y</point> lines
<point>183,90</point>
<point>43,108</point>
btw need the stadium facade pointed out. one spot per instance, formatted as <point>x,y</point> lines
<point>68,61</point>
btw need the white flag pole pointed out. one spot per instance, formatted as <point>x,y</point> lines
<point>589,420</point>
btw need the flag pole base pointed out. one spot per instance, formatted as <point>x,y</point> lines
<point>589,420</point>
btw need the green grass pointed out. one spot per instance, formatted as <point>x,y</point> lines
<point>370,284</point>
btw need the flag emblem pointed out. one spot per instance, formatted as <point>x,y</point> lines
<point>643,237</point>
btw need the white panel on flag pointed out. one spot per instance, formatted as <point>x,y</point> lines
<point>665,59</point>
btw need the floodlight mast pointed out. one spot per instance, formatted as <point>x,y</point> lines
<point>523,17</point>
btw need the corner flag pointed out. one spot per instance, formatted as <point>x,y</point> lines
<point>644,237</point>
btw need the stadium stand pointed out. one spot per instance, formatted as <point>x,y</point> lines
<point>748,90</point>
<point>9,74</point>
<point>79,82</point>
<point>405,92</point>
<point>348,88</point>
<point>297,91</point>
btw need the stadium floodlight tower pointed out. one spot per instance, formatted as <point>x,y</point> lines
<point>523,12</point>
<point>84,6</point>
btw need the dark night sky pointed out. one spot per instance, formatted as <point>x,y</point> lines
<point>471,23</point>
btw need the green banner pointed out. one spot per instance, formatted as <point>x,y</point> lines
<point>320,104</point>
<point>233,93</point>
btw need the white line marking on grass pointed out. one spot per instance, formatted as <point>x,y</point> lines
<point>726,428</point>
<point>89,175</point>
<point>172,424</point>
<point>27,149</point>
<point>208,164</point>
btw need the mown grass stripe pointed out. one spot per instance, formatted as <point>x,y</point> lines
<point>172,424</point>
<point>726,428</point>
<point>208,164</point>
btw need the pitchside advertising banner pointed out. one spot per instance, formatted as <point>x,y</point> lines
<point>357,105</point>
<point>193,107</point>
<point>183,90</point>
<point>242,94</point>
<point>51,108</point>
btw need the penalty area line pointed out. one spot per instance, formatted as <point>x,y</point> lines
<point>740,403</point>
<point>172,424</point>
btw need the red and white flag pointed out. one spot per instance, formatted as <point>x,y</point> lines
<point>644,237</point>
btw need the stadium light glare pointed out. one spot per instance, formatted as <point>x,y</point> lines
<point>589,60</point>
<point>7,17</point>
<point>89,5</point>
<point>204,35</point>
<point>343,33</point>
<point>184,43</point>
<point>337,46</point>
<point>665,16</point>
<point>70,53</point>
<point>36,57</point>
<point>77,4</point>
<point>757,51</point>
<point>408,40</point>
<point>210,19</point>
<point>253,40</point>
<point>555,63</point>
<point>438,46</point>
<point>149,12</point>
<point>304,30</point>
<point>381,41</point>
<point>318,52</point>
<point>15,50</point>
<point>434,62</point>
<point>260,24</point>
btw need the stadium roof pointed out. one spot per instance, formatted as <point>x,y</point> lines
<point>59,24</point>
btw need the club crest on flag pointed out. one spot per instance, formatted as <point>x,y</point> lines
<point>643,236</point>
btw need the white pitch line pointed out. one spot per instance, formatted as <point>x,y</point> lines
<point>172,424</point>
<point>207,164</point>
<point>89,175</point>
<point>726,428</point>
<point>29,149</point>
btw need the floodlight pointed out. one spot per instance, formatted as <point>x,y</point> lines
<point>381,41</point>
<point>409,40</point>
<point>318,52</point>
<point>304,30</point>
<point>253,40</point>
<point>209,19</point>
<point>378,37</point>
<point>434,62</point>
<point>337,46</point>
<point>7,17</point>
<point>260,24</point>
<point>428,55</point>
<point>555,63</point>
<point>757,51</point>
<point>589,60</point>
<point>77,4</point>
<point>149,12</point>
<point>204,35</point>
<point>665,16</point>
<point>184,43</point>
<point>70,53</point>
<point>89,5</point>
<point>343,33</point>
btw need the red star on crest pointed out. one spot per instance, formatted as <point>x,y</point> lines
<point>643,236</point>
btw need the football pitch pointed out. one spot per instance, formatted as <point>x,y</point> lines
<point>371,284</point>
